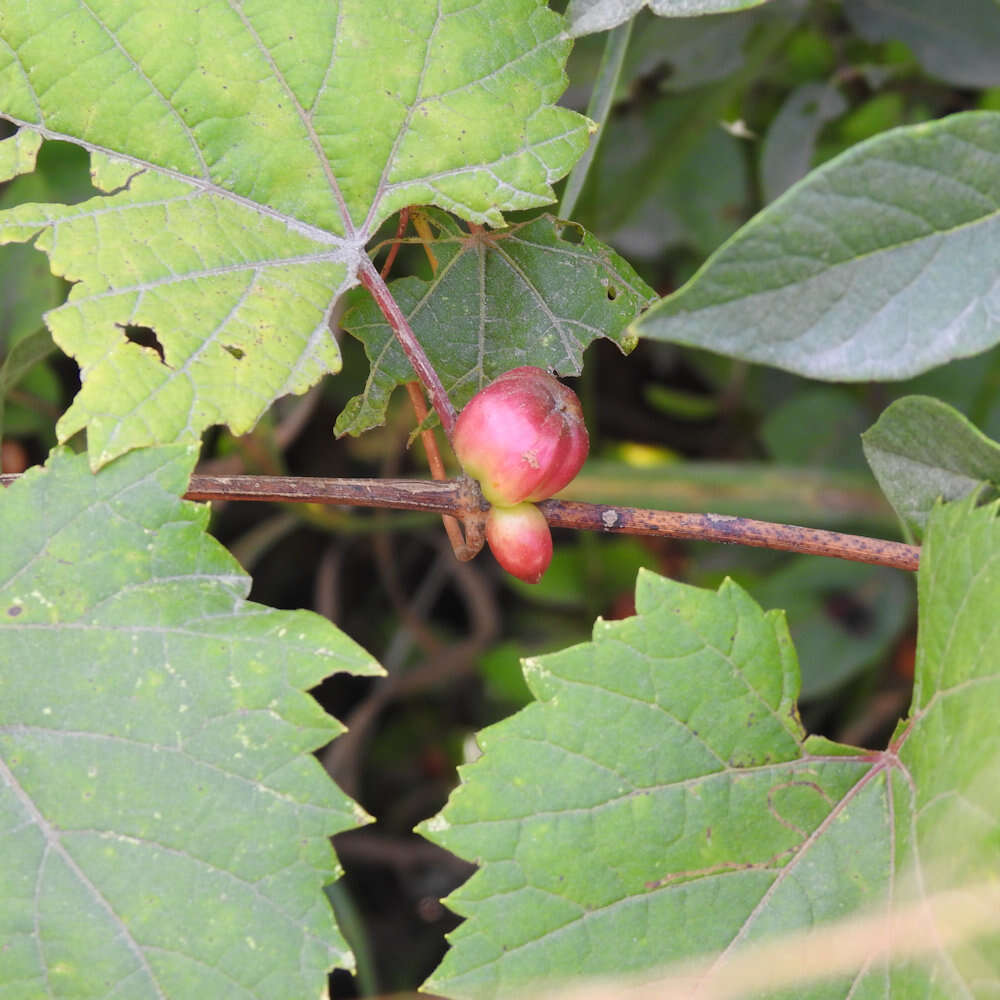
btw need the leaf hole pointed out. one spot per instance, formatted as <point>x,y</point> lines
<point>144,337</point>
<point>570,232</point>
<point>234,351</point>
<point>66,167</point>
<point>612,293</point>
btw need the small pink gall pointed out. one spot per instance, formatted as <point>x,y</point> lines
<point>520,539</point>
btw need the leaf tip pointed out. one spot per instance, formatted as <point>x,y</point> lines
<point>629,341</point>
<point>362,816</point>
<point>436,824</point>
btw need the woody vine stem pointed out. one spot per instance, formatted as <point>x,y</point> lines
<point>459,499</point>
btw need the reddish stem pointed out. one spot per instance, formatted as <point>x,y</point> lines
<point>372,280</point>
<point>404,218</point>
<point>452,526</point>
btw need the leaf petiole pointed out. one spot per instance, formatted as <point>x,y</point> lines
<point>412,348</point>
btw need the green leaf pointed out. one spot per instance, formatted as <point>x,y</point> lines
<point>880,264</point>
<point>587,16</point>
<point>922,450</point>
<point>790,142</point>
<point>660,801</point>
<point>165,823</point>
<point>950,744</point>
<point>27,289</point>
<point>534,294</point>
<point>238,196</point>
<point>23,356</point>
<point>681,404</point>
<point>18,153</point>
<point>956,42</point>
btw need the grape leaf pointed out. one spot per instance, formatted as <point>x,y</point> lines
<point>661,801</point>
<point>238,197</point>
<point>880,264</point>
<point>534,294</point>
<point>922,450</point>
<point>956,42</point>
<point>18,152</point>
<point>587,16</point>
<point>165,824</point>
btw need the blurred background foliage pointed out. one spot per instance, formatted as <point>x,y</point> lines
<point>712,118</point>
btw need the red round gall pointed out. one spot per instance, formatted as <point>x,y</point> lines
<point>520,540</point>
<point>522,436</point>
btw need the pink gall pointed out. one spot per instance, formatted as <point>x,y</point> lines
<point>520,540</point>
<point>522,437</point>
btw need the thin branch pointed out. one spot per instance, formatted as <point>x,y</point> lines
<point>404,218</point>
<point>460,499</point>
<point>730,530</point>
<point>396,494</point>
<point>453,527</point>
<point>372,280</point>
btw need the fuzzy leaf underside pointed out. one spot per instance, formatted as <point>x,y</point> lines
<point>248,152</point>
<point>523,296</point>
<point>165,825</point>
<point>878,265</point>
<point>660,801</point>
